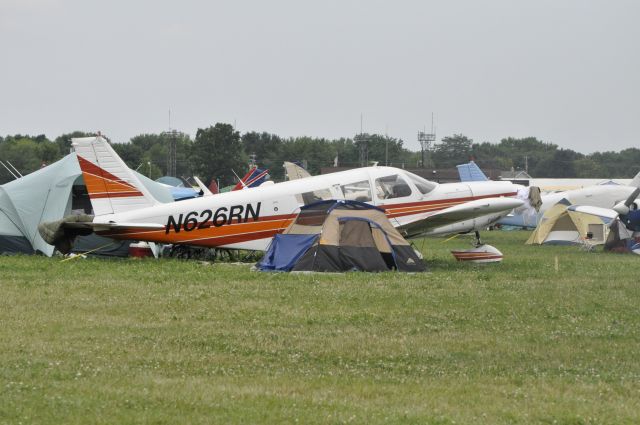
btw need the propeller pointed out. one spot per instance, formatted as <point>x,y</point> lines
<point>622,208</point>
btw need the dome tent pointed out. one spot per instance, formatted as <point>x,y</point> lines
<point>566,224</point>
<point>337,236</point>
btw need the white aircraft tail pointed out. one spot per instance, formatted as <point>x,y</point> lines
<point>112,186</point>
<point>636,181</point>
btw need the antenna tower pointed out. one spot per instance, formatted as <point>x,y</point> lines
<point>426,141</point>
<point>362,141</point>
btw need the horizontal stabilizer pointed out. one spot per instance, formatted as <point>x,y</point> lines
<point>61,233</point>
<point>113,225</point>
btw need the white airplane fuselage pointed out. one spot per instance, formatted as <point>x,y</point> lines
<point>602,196</point>
<point>248,219</point>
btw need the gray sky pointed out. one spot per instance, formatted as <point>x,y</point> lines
<point>567,72</point>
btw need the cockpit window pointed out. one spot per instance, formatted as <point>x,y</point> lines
<point>358,191</point>
<point>390,187</point>
<point>423,185</point>
<point>315,196</point>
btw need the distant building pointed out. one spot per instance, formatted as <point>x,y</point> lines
<point>515,175</point>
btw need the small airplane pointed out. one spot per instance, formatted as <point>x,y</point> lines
<point>255,177</point>
<point>606,196</point>
<point>294,171</point>
<point>248,219</point>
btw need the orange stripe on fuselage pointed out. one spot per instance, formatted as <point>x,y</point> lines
<point>265,227</point>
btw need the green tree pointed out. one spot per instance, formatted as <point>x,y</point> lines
<point>558,164</point>
<point>217,153</point>
<point>153,148</point>
<point>64,140</point>
<point>347,152</point>
<point>267,149</point>
<point>317,153</point>
<point>26,153</point>
<point>452,150</point>
<point>588,168</point>
<point>131,154</point>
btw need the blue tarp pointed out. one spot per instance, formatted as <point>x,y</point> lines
<point>284,252</point>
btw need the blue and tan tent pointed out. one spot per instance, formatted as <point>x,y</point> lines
<point>338,236</point>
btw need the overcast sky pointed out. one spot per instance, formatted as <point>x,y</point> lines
<point>567,72</point>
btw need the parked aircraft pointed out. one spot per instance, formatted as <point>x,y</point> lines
<point>244,219</point>
<point>294,172</point>
<point>601,196</point>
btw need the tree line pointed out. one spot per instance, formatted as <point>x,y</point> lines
<point>221,152</point>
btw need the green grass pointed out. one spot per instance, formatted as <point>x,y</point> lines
<point>99,341</point>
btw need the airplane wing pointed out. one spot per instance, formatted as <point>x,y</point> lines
<point>607,214</point>
<point>492,208</point>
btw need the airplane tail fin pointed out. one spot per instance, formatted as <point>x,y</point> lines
<point>294,171</point>
<point>471,172</point>
<point>636,181</point>
<point>254,177</point>
<point>112,186</point>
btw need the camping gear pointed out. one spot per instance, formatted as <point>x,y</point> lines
<point>338,236</point>
<point>565,224</point>
<point>621,239</point>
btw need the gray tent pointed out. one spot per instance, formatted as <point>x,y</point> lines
<point>48,194</point>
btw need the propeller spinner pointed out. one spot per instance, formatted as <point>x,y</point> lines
<point>622,208</point>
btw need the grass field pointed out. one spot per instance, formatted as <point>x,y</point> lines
<point>124,341</point>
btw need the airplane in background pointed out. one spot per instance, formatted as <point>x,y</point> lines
<point>181,190</point>
<point>255,177</point>
<point>243,219</point>
<point>294,171</point>
<point>606,196</point>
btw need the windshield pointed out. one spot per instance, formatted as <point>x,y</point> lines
<point>392,187</point>
<point>423,185</point>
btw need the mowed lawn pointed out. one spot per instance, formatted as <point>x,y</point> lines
<point>177,342</point>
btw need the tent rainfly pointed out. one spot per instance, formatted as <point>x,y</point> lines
<point>564,224</point>
<point>338,236</point>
